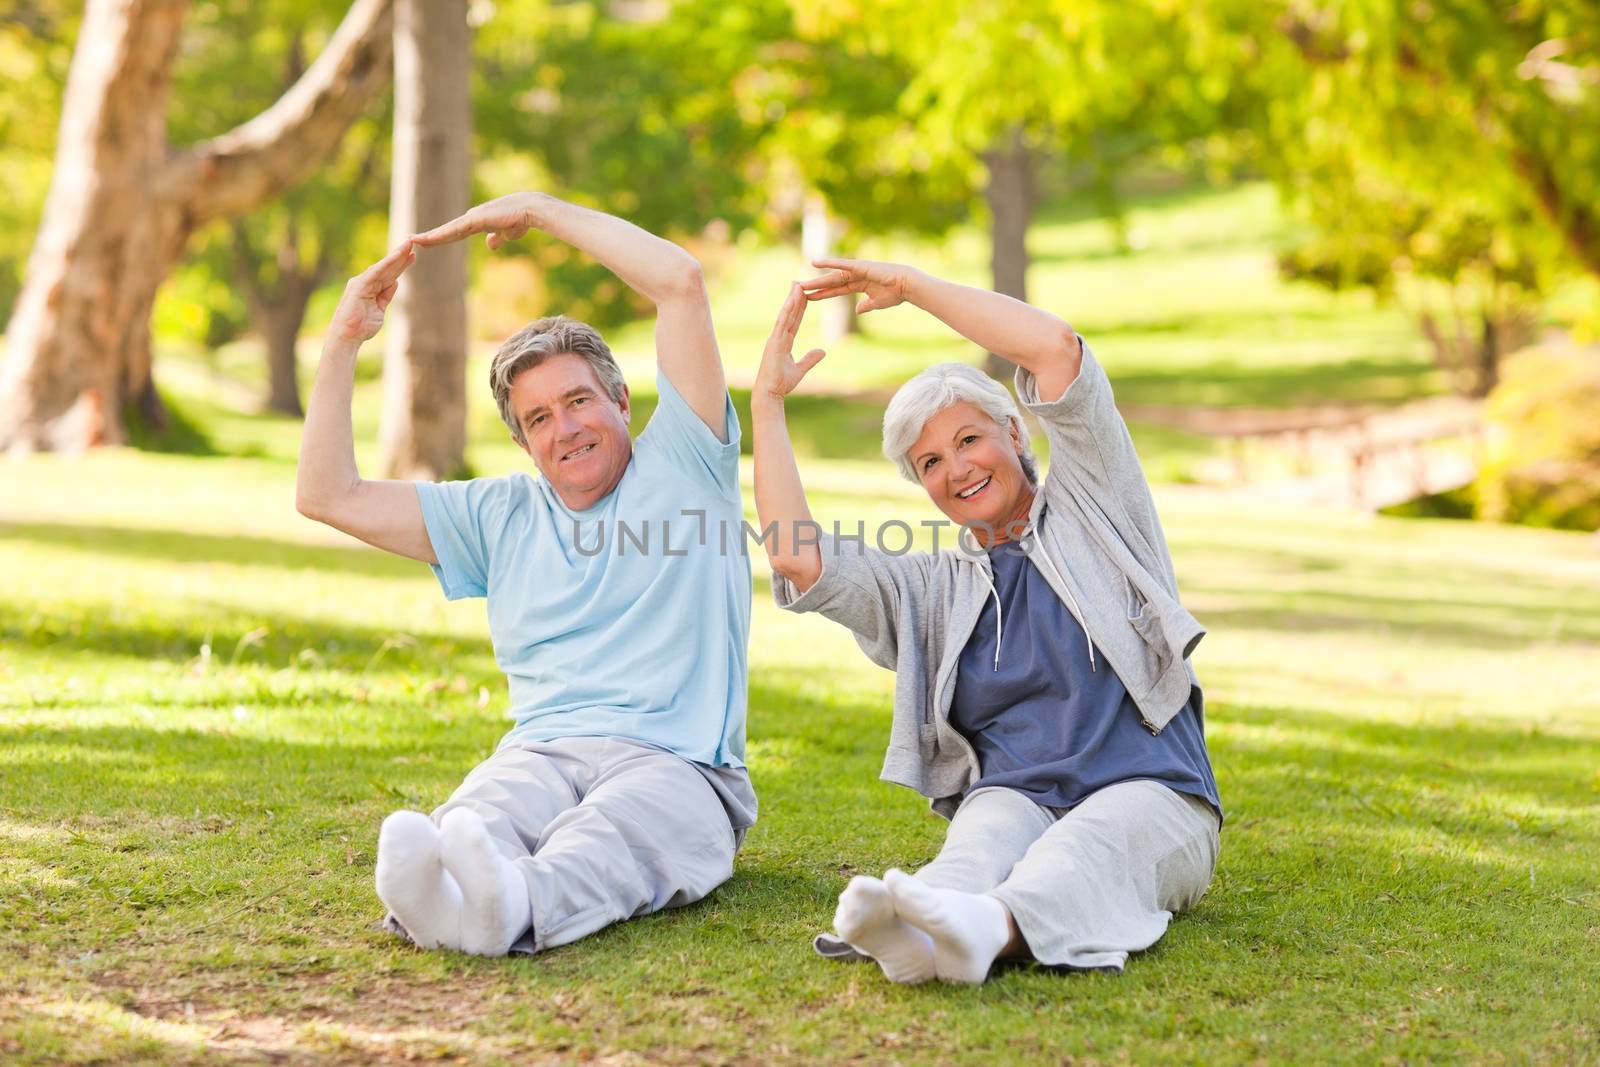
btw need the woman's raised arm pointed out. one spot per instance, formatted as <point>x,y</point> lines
<point>1027,336</point>
<point>780,498</point>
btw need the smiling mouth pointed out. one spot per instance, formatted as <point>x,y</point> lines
<point>968,494</point>
<point>578,453</point>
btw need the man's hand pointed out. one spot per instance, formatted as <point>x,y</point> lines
<point>884,283</point>
<point>779,373</point>
<point>367,295</point>
<point>504,219</point>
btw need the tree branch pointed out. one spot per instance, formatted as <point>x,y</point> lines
<point>235,171</point>
<point>1579,224</point>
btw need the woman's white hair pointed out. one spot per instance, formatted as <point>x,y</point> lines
<point>935,389</point>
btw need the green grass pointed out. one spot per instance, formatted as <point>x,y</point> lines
<point>203,718</point>
<point>207,704</point>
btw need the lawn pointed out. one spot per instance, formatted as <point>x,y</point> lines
<point>207,704</point>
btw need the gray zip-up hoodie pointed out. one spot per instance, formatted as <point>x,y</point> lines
<point>1094,535</point>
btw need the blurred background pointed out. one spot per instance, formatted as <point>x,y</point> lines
<point>1337,254</point>
<point>1341,261</point>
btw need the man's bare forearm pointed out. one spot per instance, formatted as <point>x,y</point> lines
<point>652,266</point>
<point>327,447</point>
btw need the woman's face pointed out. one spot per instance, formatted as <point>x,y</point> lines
<point>971,467</point>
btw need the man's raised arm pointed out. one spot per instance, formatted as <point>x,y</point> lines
<point>655,268</point>
<point>328,487</point>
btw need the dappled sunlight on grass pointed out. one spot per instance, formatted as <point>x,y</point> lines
<point>208,704</point>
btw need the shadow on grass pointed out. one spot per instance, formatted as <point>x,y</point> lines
<point>1226,384</point>
<point>256,639</point>
<point>182,434</point>
<point>177,546</point>
<point>1486,625</point>
<point>1351,845</point>
<point>824,753</point>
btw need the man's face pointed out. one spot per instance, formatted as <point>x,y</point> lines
<point>576,434</point>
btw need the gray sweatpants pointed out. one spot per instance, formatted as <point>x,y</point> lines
<point>605,829</point>
<point>1089,886</point>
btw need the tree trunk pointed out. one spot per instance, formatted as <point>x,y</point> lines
<point>68,371</point>
<point>277,309</point>
<point>819,231</point>
<point>1574,217</point>
<point>122,205</point>
<point>278,316</point>
<point>283,383</point>
<point>423,430</point>
<point>1012,196</point>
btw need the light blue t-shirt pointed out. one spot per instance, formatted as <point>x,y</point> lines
<point>627,619</point>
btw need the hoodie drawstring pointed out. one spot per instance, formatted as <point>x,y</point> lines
<point>1072,601</point>
<point>999,616</point>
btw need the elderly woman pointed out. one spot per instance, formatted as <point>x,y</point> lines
<point>1043,699</point>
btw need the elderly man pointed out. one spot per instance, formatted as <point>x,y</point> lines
<point>621,788</point>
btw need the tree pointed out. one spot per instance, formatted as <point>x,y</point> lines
<point>710,117</point>
<point>260,269</point>
<point>35,52</point>
<point>1457,143</point>
<point>842,150</point>
<point>1003,82</point>
<point>1474,294</point>
<point>423,431</point>
<point>634,110</point>
<point>123,203</point>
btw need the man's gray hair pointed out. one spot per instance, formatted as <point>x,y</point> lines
<point>554,335</point>
<point>935,389</point>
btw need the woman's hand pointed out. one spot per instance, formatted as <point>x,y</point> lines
<point>884,283</point>
<point>780,373</point>
<point>366,296</point>
<point>504,219</point>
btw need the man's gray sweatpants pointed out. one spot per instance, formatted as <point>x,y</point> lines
<point>1092,884</point>
<point>605,829</point>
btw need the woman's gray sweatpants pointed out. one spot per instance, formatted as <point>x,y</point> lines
<point>605,829</point>
<point>1089,886</point>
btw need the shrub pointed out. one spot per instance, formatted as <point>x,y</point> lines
<point>1544,464</point>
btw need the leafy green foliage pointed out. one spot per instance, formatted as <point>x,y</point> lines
<point>1059,72</point>
<point>1545,466</point>
<point>707,120</point>
<point>633,116</point>
<point>1474,290</point>
<point>35,50</point>
<point>317,232</point>
<point>1454,142</point>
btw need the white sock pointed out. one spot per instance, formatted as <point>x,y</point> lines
<point>866,920</point>
<point>968,929</point>
<point>495,909</point>
<point>413,882</point>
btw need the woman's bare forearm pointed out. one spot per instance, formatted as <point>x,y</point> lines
<point>781,498</point>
